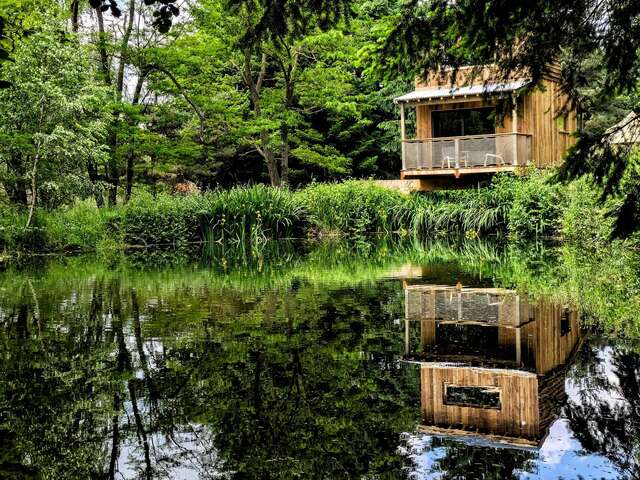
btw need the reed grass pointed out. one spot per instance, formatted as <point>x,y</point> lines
<point>515,206</point>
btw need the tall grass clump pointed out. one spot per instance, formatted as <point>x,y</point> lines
<point>255,213</point>
<point>351,208</point>
<point>524,206</point>
<point>80,227</point>
<point>473,211</point>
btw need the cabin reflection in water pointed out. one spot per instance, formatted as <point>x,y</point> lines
<point>492,364</point>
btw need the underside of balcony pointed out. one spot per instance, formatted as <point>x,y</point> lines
<point>456,172</point>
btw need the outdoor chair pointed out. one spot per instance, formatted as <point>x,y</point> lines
<point>497,159</point>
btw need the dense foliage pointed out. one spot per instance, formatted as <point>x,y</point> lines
<point>517,207</point>
<point>231,94</point>
<point>106,103</point>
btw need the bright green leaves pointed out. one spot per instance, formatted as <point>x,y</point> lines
<point>52,119</point>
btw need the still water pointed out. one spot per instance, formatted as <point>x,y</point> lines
<point>308,362</point>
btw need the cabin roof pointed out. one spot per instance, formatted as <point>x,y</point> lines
<point>627,131</point>
<point>432,93</point>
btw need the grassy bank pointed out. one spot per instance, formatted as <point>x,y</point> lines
<point>516,206</point>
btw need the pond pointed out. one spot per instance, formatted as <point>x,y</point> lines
<point>312,361</point>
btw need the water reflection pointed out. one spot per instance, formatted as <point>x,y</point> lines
<point>491,363</point>
<point>296,371</point>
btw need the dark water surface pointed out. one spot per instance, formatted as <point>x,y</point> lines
<point>308,363</point>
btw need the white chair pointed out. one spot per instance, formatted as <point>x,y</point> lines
<point>464,157</point>
<point>497,159</point>
<point>448,155</point>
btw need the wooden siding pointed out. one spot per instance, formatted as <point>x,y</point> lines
<point>464,76</point>
<point>553,349</point>
<point>518,415</point>
<point>478,76</point>
<point>550,141</point>
<point>531,336</point>
<point>538,114</point>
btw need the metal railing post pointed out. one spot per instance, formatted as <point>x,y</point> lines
<point>456,150</point>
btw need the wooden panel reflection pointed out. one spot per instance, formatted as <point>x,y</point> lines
<point>492,362</point>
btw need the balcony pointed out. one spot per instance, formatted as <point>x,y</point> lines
<point>465,154</point>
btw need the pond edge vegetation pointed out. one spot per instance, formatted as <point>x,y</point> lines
<point>512,206</point>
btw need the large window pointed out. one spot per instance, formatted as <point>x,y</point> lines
<point>460,122</point>
<point>467,396</point>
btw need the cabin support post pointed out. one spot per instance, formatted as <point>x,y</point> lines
<point>514,124</point>
<point>403,135</point>
<point>406,337</point>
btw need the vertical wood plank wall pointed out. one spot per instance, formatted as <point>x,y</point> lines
<point>517,417</point>
<point>553,349</point>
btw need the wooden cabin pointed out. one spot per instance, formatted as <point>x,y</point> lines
<point>491,363</point>
<point>461,136</point>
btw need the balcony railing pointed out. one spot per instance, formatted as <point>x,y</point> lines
<point>469,152</point>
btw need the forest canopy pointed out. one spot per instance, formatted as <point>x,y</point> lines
<point>215,93</point>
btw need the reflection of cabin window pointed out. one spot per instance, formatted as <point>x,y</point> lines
<point>463,121</point>
<point>468,396</point>
<point>565,324</point>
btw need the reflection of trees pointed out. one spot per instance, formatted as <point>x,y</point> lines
<point>107,375</point>
<point>606,416</point>
<point>53,387</point>
<point>469,461</point>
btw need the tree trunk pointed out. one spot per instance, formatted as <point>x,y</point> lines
<point>272,166</point>
<point>75,14</point>
<point>284,155</point>
<point>113,172</point>
<point>255,86</point>
<point>130,154</point>
<point>34,190</point>
<point>17,190</point>
<point>92,170</point>
<point>124,50</point>
<point>106,76</point>
<point>113,168</point>
<point>102,48</point>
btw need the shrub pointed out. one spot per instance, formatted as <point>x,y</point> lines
<point>523,206</point>
<point>584,219</point>
<point>352,207</point>
<point>79,227</point>
<point>536,204</point>
<point>161,220</point>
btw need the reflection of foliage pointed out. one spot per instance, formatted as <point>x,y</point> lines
<point>466,461</point>
<point>606,417</point>
<point>300,379</point>
<point>269,363</point>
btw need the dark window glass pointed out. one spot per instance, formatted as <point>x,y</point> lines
<point>468,121</point>
<point>565,323</point>
<point>480,397</point>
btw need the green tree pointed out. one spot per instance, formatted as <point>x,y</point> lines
<point>51,120</point>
